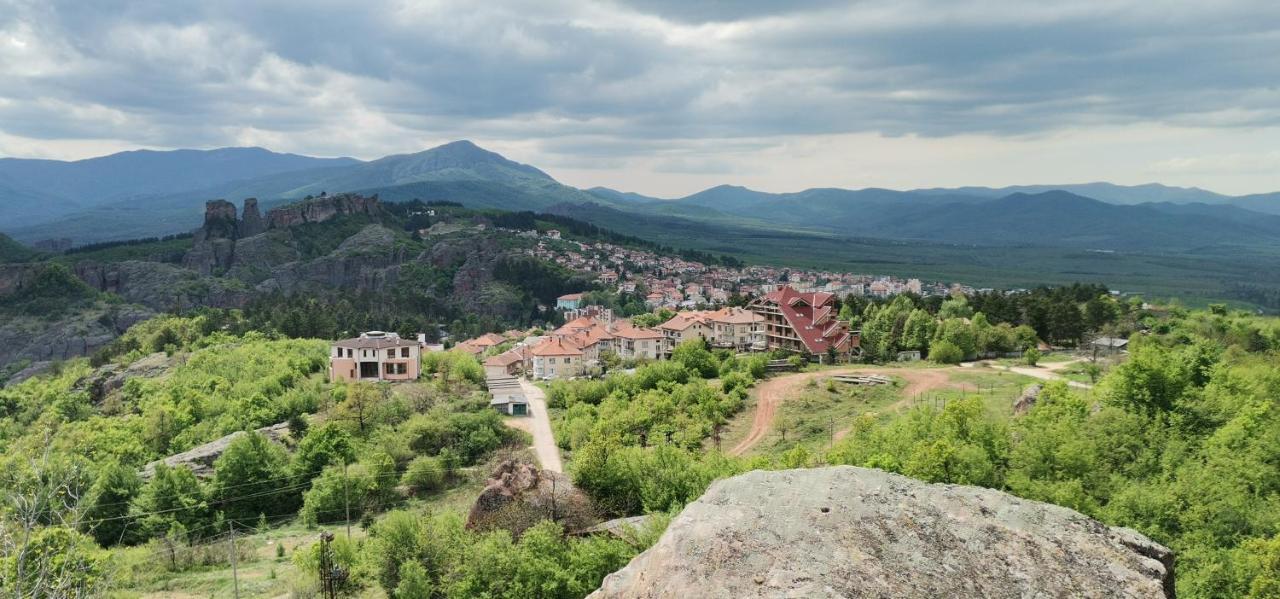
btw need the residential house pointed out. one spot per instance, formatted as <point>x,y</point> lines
<point>569,301</point>
<point>375,356</point>
<point>804,323</point>
<point>508,363</point>
<point>683,327</point>
<point>736,328</point>
<point>636,343</point>
<point>556,358</point>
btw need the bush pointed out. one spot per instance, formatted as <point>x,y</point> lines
<point>424,475</point>
<point>946,352</point>
<point>1031,356</point>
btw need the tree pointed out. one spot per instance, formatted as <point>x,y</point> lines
<point>1031,356</point>
<point>173,495</point>
<point>413,582</point>
<point>252,477</point>
<point>107,504</point>
<point>694,355</point>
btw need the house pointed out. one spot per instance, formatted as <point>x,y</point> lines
<point>636,343</point>
<point>508,363</point>
<point>375,356</point>
<point>569,301</point>
<point>804,323</point>
<point>507,396</point>
<point>736,328</point>
<point>683,327</point>
<point>556,358</point>
<point>479,345</point>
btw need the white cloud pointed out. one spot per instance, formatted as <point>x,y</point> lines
<point>661,95</point>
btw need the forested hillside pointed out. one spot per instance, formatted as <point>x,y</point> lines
<point>1175,440</point>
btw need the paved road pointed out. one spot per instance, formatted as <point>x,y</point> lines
<point>544,443</point>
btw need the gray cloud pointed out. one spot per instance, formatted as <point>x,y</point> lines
<point>602,82</point>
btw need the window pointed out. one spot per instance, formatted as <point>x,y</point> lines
<point>404,352</point>
<point>391,353</point>
<point>351,353</point>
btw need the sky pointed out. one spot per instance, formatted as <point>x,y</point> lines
<point>667,97</point>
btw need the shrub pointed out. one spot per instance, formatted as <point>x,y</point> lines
<point>946,352</point>
<point>424,475</point>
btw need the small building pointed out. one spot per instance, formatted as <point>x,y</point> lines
<point>375,356</point>
<point>569,301</point>
<point>1109,345</point>
<point>507,395</point>
<point>508,363</point>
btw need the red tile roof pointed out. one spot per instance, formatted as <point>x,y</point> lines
<point>556,347</point>
<point>809,315</point>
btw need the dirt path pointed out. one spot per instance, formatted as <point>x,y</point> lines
<point>538,424</point>
<point>771,393</point>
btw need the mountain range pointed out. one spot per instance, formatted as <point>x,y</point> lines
<point>1175,229</point>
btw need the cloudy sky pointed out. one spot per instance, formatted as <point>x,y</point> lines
<point>670,96</point>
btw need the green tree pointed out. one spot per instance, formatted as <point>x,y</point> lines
<point>107,505</point>
<point>946,352</point>
<point>252,477</point>
<point>413,582</point>
<point>1031,356</point>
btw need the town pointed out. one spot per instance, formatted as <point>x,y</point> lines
<point>675,283</point>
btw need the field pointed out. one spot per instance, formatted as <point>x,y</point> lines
<point>813,410</point>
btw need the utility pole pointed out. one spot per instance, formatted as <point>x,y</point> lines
<point>231,538</point>
<point>345,499</point>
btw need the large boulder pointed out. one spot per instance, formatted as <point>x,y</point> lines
<point>854,532</point>
<point>519,495</point>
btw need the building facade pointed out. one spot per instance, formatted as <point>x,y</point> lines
<point>805,323</point>
<point>374,356</point>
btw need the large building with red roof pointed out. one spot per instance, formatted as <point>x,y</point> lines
<point>804,322</point>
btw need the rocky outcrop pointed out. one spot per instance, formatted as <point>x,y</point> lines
<point>318,210</point>
<point>76,335</point>
<point>109,378</point>
<point>161,286</point>
<point>519,495</point>
<point>251,222</point>
<point>853,532</point>
<point>215,241</point>
<point>1027,400</point>
<point>200,459</point>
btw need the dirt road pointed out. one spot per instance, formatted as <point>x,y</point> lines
<point>774,391</point>
<point>538,424</point>
<point>1048,372</point>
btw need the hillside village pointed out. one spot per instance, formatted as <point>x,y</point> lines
<point>675,283</point>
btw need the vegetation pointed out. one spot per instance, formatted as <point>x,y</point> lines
<point>1177,442</point>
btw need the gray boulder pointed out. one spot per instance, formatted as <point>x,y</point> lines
<point>854,532</point>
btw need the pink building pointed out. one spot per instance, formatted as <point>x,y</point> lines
<point>374,356</point>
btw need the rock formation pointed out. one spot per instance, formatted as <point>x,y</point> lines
<point>109,378</point>
<point>520,495</point>
<point>215,240</point>
<point>318,210</point>
<point>853,532</point>
<point>200,459</point>
<point>251,222</point>
<point>1027,400</point>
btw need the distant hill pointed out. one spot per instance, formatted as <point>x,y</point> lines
<point>12,251</point>
<point>459,171</point>
<point>35,190</point>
